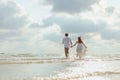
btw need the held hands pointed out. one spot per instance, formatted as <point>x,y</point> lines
<point>85,46</point>
<point>71,45</point>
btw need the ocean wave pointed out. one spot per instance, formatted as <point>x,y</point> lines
<point>28,60</point>
<point>33,60</point>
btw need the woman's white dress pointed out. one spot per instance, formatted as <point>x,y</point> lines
<point>80,50</point>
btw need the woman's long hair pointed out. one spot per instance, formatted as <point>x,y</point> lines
<point>79,40</point>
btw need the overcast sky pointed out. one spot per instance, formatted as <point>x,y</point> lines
<point>38,26</point>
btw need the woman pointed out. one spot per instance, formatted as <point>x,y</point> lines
<point>80,47</point>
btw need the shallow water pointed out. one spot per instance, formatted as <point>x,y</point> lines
<point>54,68</point>
<point>14,71</point>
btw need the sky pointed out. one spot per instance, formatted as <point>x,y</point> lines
<point>38,26</point>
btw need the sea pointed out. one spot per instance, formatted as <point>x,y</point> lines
<point>53,66</point>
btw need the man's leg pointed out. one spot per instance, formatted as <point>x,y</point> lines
<point>66,52</point>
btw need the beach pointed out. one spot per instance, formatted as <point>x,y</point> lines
<point>60,68</point>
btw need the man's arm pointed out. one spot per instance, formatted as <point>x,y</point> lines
<point>71,42</point>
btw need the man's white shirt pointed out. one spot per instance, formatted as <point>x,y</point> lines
<point>66,41</point>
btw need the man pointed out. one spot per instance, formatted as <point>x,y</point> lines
<point>67,43</point>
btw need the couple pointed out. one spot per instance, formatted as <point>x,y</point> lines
<point>68,43</point>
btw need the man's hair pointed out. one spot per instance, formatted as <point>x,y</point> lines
<point>66,34</point>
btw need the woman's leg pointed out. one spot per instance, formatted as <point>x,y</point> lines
<point>79,53</point>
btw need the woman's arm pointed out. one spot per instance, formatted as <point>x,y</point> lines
<point>74,44</point>
<point>84,44</point>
